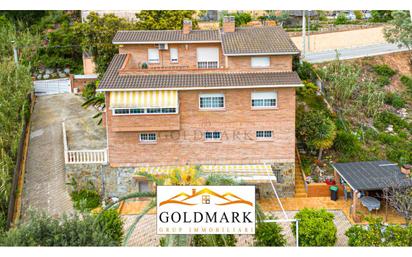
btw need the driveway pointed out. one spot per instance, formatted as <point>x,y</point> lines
<point>44,186</point>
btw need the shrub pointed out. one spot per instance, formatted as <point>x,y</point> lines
<point>346,143</point>
<point>395,100</point>
<point>407,81</point>
<point>85,199</point>
<point>377,234</point>
<point>89,90</point>
<point>43,230</point>
<point>385,118</point>
<point>316,228</point>
<point>309,89</point>
<point>269,234</point>
<point>383,81</point>
<point>341,19</point>
<point>111,224</point>
<point>213,240</point>
<point>304,70</point>
<point>384,70</point>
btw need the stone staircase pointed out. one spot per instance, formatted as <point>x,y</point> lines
<point>300,191</point>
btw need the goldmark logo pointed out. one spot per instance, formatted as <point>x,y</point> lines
<point>205,209</point>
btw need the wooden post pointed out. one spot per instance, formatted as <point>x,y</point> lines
<point>354,202</point>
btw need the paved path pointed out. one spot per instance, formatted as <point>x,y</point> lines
<point>145,231</point>
<point>44,187</point>
<point>352,53</point>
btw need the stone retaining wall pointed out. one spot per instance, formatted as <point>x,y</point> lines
<point>120,181</point>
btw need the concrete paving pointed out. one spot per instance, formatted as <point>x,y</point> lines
<point>44,187</point>
<point>145,230</point>
<point>353,53</point>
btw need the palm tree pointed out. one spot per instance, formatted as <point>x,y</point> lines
<point>190,175</point>
<point>98,101</point>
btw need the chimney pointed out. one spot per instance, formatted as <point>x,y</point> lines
<point>187,26</point>
<point>229,24</point>
<point>193,191</point>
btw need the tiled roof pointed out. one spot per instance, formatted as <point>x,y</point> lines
<point>133,36</point>
<point>112,79</point>
<point>255,40</point>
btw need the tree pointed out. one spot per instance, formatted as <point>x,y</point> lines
<point>400,198</point>
<point>341,19</point>
<point>358,14</point>
<point>381,16</point>
<point>164,19</point>
<point>401,30</point>
<point>317,130</point>
<point>95,36</point>
<point>316,228</point>
<point>242,18</point>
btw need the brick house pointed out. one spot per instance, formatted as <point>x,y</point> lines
<point>224,99</point>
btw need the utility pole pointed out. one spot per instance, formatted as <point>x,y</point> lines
<point>16,58</point>
<point>309,31</point>
<point>303,35</point>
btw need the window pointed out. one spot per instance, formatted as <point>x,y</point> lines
<point>174,55</point>
<point>213,136</point>
<point>263,134</point>
<point>148,137</point>
<point>260,62</point>
<point>208,57</point>
<point>153,55</point>
<point>264,99</point>
<point>137,111</point>
<point>212,101</point>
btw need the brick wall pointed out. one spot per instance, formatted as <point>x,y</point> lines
<point>80,84</point>
<point>277,63</point>
<point>238,124</point>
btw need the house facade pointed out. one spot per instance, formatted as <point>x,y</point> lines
<point>219,98</point>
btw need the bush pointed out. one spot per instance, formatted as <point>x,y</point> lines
<point>269,234</point>
<point>384,70</point>
<point>383,81</point>
<point>395,100</point>
<point>304,70</point>
<point>213,240</point>
<point>89,90</point>
<point>385,118</point>
<point>43,230</point>
<point>346,143</point>
<point>309,89</point>
<point>111,224</point>
<point>407,81</point>
<point>85,199</point>
<point>341,19</point>
<point>316,228</point>
<point>377,234</point>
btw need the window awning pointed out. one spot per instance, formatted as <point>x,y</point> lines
<point>245,172</point>
<point>144,99</point>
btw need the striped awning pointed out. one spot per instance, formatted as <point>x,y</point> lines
<point>144,99</point>
<point>246,172</point>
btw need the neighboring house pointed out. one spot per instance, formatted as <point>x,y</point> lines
<point>295,17</point>
<point>224,99</point>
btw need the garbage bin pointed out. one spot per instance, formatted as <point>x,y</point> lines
<point>333,193</point>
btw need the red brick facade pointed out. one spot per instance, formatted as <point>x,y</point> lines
<point>238,123</point>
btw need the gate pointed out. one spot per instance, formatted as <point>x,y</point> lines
<point>52,86</point>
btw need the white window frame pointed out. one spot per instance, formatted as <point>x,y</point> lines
<point>213,134</point>
<point>216,95</point>
<point>146,111</point>
<point>265,135</point>
<point>260,95</point>
<point>209,61</point>
<point>257,62</point>
<point>148,140</point>
<point>153,60</point>
<point>174,59</point>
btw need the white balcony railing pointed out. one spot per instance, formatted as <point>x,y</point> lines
<point>98,156</point>
<point>207,65</point>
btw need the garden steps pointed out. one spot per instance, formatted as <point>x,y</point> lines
<point>300,191</point>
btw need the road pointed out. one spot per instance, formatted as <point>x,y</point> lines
<point>352,53</point>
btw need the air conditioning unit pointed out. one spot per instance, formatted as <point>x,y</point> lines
<point>162,46</point>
